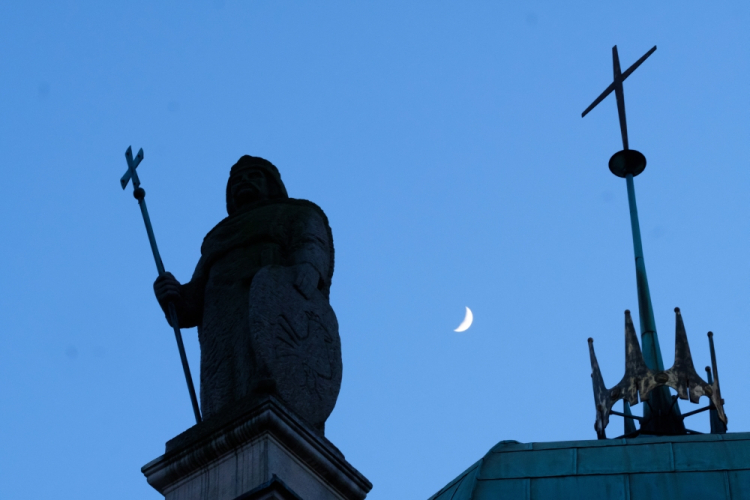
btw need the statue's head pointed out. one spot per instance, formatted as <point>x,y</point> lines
<point>252,180</point>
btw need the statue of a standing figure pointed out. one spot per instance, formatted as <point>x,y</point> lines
<point>259,297</point>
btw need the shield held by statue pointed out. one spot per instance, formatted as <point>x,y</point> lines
<point>296,343</point>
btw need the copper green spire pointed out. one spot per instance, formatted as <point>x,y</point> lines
<point>627,164</point>
<point>645,378</point>
<point>649,338</point>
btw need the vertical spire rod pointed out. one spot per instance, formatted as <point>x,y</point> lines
<point>713,356</point>
<point>717,426</point>
<point>660,401</point>
<point>649,339</point>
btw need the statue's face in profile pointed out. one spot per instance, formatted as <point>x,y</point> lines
<point>249,185</point>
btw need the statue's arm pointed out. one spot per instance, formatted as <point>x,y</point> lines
<point>190,311</point>
<point>187,298</point>
<point>311,255</point>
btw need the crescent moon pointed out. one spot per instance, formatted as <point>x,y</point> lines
<point>466,323</point>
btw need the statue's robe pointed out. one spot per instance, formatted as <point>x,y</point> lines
<point>254,326</point>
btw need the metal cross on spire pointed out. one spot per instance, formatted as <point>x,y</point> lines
<point>616,85</point>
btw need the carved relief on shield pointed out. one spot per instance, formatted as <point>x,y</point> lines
<point>296,342</point>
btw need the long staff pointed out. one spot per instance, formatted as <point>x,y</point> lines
<point>140,194</point>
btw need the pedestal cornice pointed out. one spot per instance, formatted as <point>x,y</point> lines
<point>210,442</point>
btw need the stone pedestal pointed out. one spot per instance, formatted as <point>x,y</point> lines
<point>259,450</point>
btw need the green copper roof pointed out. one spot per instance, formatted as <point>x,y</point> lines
<point>706,467</point>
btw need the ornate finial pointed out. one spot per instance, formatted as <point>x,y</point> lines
<point>640,382</point>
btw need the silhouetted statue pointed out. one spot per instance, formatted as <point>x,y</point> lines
<point>259,297</point>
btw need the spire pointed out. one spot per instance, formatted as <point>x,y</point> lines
<point>627,164</point>
<point>644,368</point>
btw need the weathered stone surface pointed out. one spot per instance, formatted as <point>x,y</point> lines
<point>259,297</point>
<point>275,489</point>
<point>241,453</point>
<point>296,340</point>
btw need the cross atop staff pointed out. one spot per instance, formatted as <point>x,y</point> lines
<point>616,85</point>
<point>132,165</point>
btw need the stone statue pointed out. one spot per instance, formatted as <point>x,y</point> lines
<point>259,297</point>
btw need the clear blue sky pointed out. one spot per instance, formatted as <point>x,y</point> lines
<point>445,142</point>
